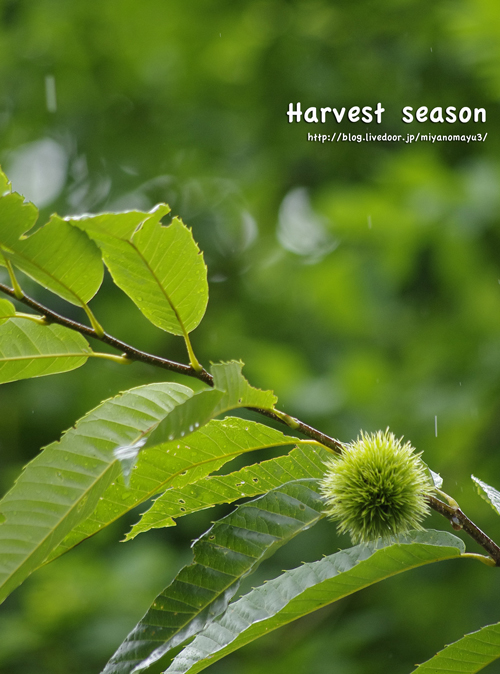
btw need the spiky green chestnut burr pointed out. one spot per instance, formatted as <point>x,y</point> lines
<point>377,488</point>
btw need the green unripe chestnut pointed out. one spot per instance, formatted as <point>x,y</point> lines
<point>376,488</point>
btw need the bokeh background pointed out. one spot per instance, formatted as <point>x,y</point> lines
<point>361,282</point>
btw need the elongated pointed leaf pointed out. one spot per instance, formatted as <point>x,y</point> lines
<point>300,463</point>
<point>308,588</point>
<point>232,391</point>
<point>61,487</point>
<point>7,310</point>
<point>227,552</point>
<point>489,494</point>
<point>467,655</point>
<point>177,464</point>
<point>160,268</point>
<point>61,258</point>
<point>28,350</point>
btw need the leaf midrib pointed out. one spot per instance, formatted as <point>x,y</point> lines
<point>162,289</point>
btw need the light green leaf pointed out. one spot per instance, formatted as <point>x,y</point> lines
<point>16,218</point>
<point>186,418</point>
<point>227,552</point>
<point>239,393</point>
<point>308,588</point>
<point>300,463</point>
<point>159,267</point>
<point>232,391</point>
<point>4,184</point>
<point>489,494</point>
<point>28,350</point>
<point>61,487</point>
<point>467,655</point>
<point>58,256</point>
<point>177,464</point>
<point>7,310</point>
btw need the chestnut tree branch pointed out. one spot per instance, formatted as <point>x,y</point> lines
<point>454,515</point>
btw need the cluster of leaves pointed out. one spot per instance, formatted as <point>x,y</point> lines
<point>168,440</point>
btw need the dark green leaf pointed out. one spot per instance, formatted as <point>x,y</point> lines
<point>308,588</point>
<point>227,552</point>
<point>467,655</point>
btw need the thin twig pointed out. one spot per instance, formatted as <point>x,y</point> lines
<point>459,520</point>
<point>130,351</point>
<point>173,366</point>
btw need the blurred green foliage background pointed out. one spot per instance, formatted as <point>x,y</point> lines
<point>360,281</point>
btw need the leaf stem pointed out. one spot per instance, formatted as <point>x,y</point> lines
<point>93,321</point>
<point>41,320</point>
<point>123,360</point>
<point>18,293</point>
<point>193,361</point>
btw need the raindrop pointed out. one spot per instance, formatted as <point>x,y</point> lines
<point>191,428</point>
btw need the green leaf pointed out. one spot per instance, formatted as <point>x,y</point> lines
<point>61,487</point>
<point>489,494</point>
<point>4,183</point>
<point>186,418</point>
<point>239,393</point>
<point>59,257</point>
<point>232,391</point>
<point>308,588</point>
<point>159,267</point>
<point>467,655</point>
<point>177,464</point>
<point>249,481</point>
<point>16,218</point>
<point>28,349</point>
<point>7,310</point>
<point>227,552</point>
